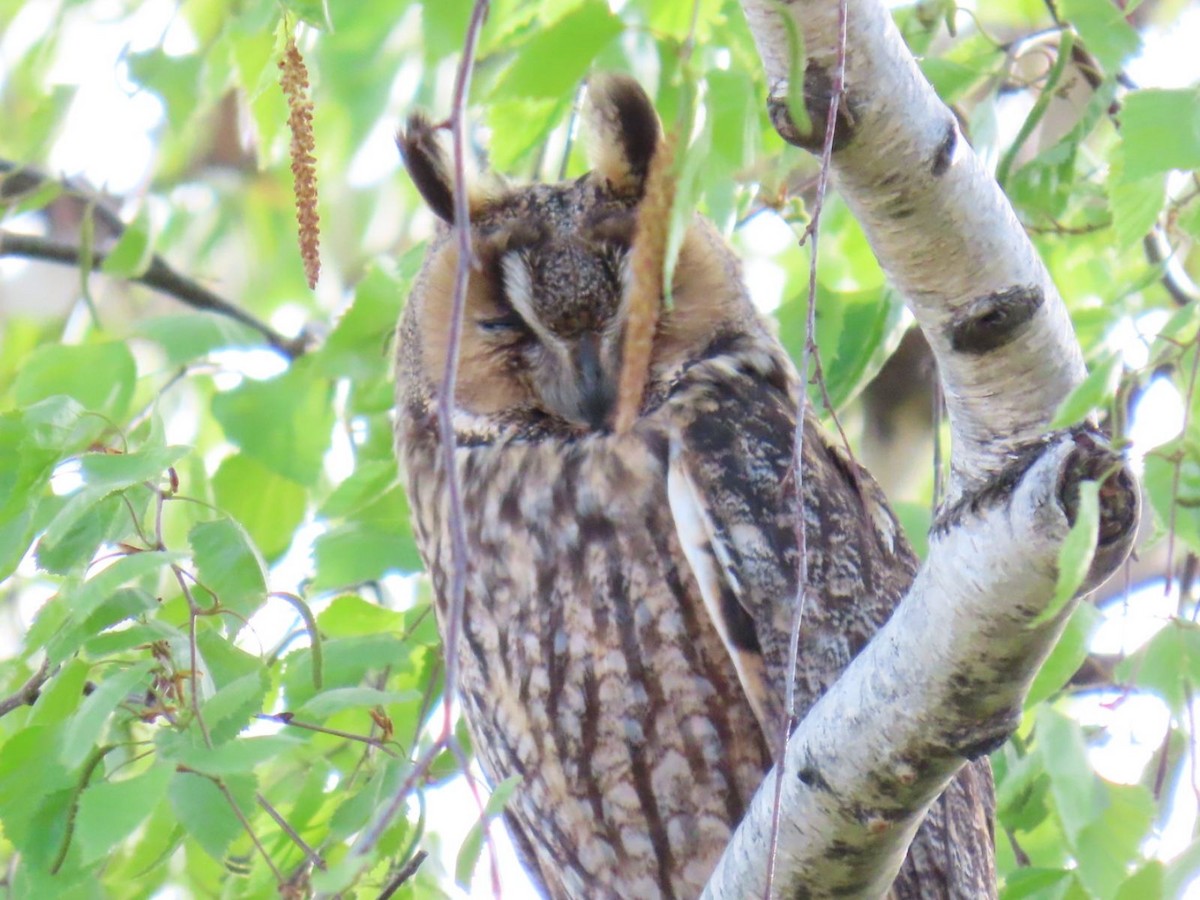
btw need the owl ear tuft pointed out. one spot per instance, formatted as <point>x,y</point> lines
<point>623,129</point>
<point>428,165</point>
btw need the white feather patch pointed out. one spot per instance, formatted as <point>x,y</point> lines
<point>711,565</point>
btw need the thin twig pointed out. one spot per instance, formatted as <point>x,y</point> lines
<point>445,424</point>
<point>194,652</point>
<point>445,399</point>
<point>838,85</point>
<point>406,872</point>
<point>1174,278</point>
<point>286,719</point>
<point>90,764</point>
<point>313,856</point>
<point>485,822</point>
<point>314,635</point>
<point>241,817</point>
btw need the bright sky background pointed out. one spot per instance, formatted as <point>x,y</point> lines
<point>109,139</point>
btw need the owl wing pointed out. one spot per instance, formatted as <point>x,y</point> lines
<point>732,492</point>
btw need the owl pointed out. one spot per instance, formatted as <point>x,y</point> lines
<point>629,595</point>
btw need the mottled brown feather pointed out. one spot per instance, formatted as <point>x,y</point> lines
<point>590,663</point>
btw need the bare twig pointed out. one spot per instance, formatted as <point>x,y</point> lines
<point>287,719</point>
<point>27,693</point>
<point>159,276</point>
<point>810,330</point>
<point>445,424</point>
<point>445,400</point>
<point>1175,278</point>
<point>314,635</point>
<point>406,872</point>
<point>241,817</point>
<point>313,856</point>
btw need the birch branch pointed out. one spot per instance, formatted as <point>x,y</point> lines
<point>943,682</point>
<point>939,224</point>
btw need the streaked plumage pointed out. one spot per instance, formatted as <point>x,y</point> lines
<point>629,597</point>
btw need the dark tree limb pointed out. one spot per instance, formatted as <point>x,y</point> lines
<point>27,693</point>
<point>159,274</point>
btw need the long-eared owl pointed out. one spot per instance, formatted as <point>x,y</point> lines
<point>629,596</point>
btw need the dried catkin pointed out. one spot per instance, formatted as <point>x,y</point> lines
<point>294,81</point>
<point>646,260</point>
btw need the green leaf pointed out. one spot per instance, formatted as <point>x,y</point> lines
<point>1135,205</point>
<point>130,256</point>
<point>346,662</point>
<point>99,376</point>
<point>223,662</point>
<point>326,703</point>
<point>85,727</point>
<point>174,77</point>
<point>95,513</point>
<point>269,506</point>
<point>1145,883</point>
<point>61,695</point>
<point>1020,789</point>
<point>1160,131</point>
<point>352,616</point>
<point>1104,30</point>
<point>36,197</point>
<point>188,336</point>
<point>511,146</point>
<point>1034,883</point>
<point>314,12</point>
<point>205,812</point>
<point>443,24</point>
<point>1181,871</point>
<point>81,601</point>
<point>228,565</point>
<point>472,845</point>
<point>236,757</point>
<point>75,534</point>
<point>30,774</point>
<point>358,346</point>
<point>1105,848</point>
<point>235,705</point>
<point>358,552</point>
<point>120,470</point>
<point>1075,555</point>
<point>1168,665</point>
<point>556,56</point>
<point>109,811</point>
<point>285,423</point>
<point>915,520</point>
<point>1066,657</point>
<point>365,485</point>
<point>1177,510</point>
<point>1095,391</point>
<point>356,811</point>
<point>1078,794</point>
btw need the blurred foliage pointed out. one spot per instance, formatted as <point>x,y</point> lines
<point>207,562</point>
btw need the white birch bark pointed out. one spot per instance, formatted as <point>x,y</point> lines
<point>941,228</point>
<point>945,679</point>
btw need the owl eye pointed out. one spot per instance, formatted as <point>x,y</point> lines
<point>510,323</point>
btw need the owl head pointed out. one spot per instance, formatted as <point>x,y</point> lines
<point>546,300</point>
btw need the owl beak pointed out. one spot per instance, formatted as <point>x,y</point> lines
<point>597,392</point>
